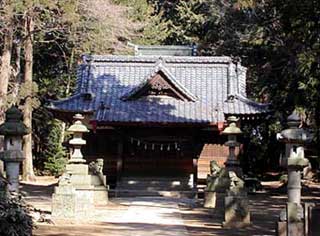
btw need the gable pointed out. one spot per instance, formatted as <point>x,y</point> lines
<point>160,83</point>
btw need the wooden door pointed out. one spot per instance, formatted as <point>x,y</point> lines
<point>155,160</point>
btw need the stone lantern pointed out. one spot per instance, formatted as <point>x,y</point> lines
<point>78,189</point>
<point>236,203</point>
<point>13,130</point>
<point>232,163</point>
<point>77,129</point>
<point>225,188</point>
<point>294,138</point>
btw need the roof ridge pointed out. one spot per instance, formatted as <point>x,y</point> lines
<point>153,59</point>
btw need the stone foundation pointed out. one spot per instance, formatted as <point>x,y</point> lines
<point>237,212</point>
<point>296,228</point>
<point>214,199</point>
<point>100,195</point>
<point>210,199</point>
<point>77,193</point>
<point>71,204</point>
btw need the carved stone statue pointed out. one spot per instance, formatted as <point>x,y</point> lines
<point>236,184</point>
<point>218,180</point>
<point>217,183</point>
<point>214,168</point>
<point>96,167</point>
<point>65,179</point>
<point>236,203</point>
<point>96,171</point>
<point>220,183</point>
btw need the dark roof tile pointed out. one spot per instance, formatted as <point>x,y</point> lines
<point>208,80</point>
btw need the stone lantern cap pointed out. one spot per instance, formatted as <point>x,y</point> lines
<point>294,134</point>
<point>78,127</point>
<point>298,162</point>
<point>13,125</point>
<point>232,127</point>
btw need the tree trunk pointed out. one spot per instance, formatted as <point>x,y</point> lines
<point>28,173</point>
<point>16,70</point>
<point>5,71</point>
<point>67,93</point>
<point>317,128</point>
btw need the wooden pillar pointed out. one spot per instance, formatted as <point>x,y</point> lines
<point>120,159</point>
<point>196,155</point>
<point>195,172</point>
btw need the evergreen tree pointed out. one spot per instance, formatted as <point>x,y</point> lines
<point>151,28</point>
<point>277,40</point>
<point>55,154</point>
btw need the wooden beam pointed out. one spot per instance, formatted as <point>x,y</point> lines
<point>155,124</point>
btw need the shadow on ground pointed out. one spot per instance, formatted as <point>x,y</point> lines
<point>110,229</point>
<point>265,208</point>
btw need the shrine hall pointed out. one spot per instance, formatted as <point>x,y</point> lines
<point>159,113</point>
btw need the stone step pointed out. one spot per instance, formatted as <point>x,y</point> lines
<point>154,184</point>
<point>155,178</point>
<point>151,193</point>
<point>154,188</point>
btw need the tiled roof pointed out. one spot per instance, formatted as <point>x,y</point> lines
<point>216,84</point>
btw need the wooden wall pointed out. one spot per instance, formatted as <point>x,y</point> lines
<point>136,160</point>
<point>217,152</point>
<point>103,144</point>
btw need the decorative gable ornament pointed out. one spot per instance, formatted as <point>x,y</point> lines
<point>160,83</point>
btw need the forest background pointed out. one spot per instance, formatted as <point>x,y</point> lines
<point>41,42</point>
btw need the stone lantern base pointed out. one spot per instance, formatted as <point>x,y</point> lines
<point>81,179</point>
<point>296,228</point>
<point>291,221</point>
<point>70,204</point>
<point>77,194</point>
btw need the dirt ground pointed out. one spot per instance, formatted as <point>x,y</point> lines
<point>188,218</point>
